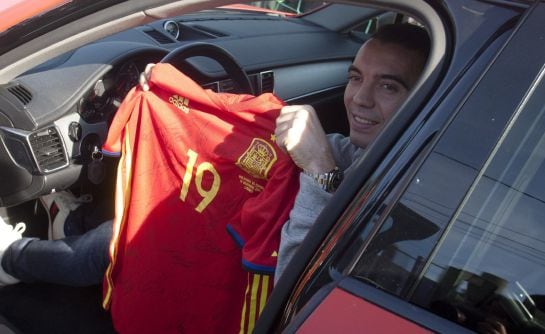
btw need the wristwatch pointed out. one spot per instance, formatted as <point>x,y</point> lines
<point>329,181</point>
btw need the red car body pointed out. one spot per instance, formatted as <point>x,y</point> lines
<point>13,12</point>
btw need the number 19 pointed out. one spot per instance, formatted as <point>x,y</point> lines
<point>207,195</point>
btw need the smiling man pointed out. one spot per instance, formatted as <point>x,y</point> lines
<point>384,71</point>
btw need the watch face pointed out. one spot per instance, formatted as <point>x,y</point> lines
<point>334,180</point>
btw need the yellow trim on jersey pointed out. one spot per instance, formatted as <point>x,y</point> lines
<point>243,317</point>
<point>122,195</point>
<point>253,308</point>
<point>253,302</point>
<point>264,293</point>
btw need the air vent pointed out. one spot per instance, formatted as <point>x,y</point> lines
<point>21,93</point>
<point>267,82</point>
<point>227,86</point>
<point>48,150</point>
<point>213,86</point>
<point>159,37</point>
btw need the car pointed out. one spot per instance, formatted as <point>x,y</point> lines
<point>439,230</point>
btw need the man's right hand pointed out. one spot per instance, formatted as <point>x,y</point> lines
<point>145,76</point>
<point>300,133</point>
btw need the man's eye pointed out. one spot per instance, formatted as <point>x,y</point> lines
<point>354,78</point>
<point>392,88</point>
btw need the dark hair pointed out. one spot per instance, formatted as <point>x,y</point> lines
<point>407,35</point>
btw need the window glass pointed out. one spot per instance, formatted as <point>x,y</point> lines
<point>467,238</point>
<point>491,264</point>
<point>289,6</point>
<point>367,28</point>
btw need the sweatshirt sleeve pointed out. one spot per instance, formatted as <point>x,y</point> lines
<point>309,202</point>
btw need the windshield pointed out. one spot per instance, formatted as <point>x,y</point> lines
<point>22,20</point>
<point>289,6</point>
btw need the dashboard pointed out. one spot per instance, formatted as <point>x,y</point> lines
<point>54,118</point>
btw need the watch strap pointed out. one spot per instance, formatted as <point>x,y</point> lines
<point>328,181</point>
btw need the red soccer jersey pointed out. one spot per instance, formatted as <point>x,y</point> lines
<point>194,162</point>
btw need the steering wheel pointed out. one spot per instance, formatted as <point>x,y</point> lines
<point>178,58</point>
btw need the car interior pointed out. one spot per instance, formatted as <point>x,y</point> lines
<point>55,115</point>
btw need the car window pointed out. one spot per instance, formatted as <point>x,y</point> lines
<point>367,28</point>
<point>289,6</point>
<point>474,253</point>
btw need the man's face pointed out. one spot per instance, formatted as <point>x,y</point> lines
<point>379,81</point>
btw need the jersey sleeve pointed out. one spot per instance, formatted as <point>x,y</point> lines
<point>257,228</point>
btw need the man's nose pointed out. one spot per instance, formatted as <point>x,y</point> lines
<point>364,96</point>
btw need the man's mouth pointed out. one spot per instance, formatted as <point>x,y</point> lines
<point>364,121</point>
